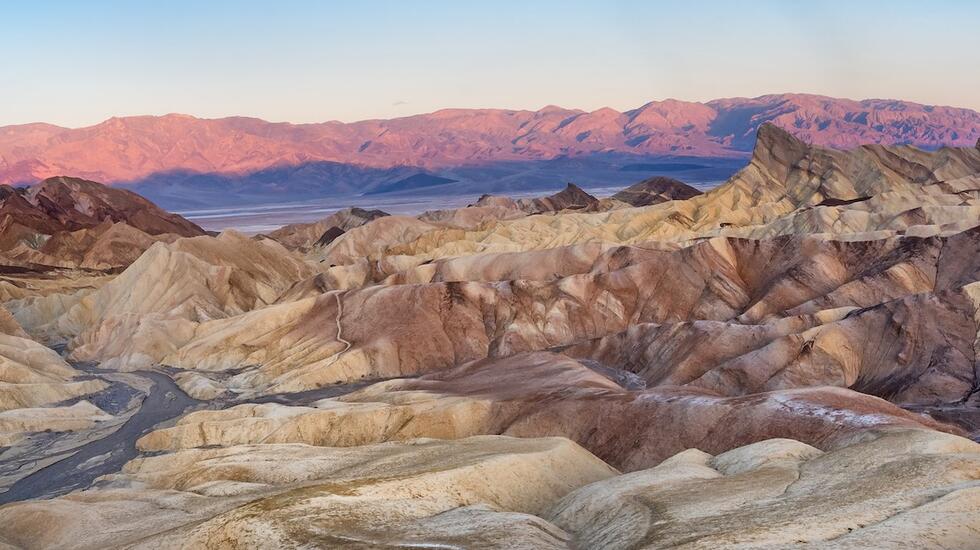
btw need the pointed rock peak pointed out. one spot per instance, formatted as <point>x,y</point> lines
<point>656,190</point>
<point>573,196</point>
<point>770,133</point>
<point>572,190</point>
<point>774,143</point>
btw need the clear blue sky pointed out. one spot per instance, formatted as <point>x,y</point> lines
<point>76,63</point>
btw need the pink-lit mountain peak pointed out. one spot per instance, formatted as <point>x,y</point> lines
<point>132,148</point>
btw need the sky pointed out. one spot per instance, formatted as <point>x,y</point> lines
<point>76,63</point>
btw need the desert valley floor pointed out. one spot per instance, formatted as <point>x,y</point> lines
<point>791,359</point>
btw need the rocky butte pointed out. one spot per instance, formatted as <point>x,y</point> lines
<point>788,360</point>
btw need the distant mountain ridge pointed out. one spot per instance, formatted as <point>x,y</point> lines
<point>131,149</point>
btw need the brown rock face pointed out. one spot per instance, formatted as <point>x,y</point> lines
<point>570,198</point>
<point>73,223</point>
<point>656,190</point>
<point>75,203</point>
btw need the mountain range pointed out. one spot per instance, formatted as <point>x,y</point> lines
<point>249,155</point>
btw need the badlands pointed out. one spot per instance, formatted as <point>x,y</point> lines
<point>788,360</point>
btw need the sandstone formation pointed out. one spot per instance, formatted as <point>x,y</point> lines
<point>720,279</point>
<point>361,496</point>
<point>303,236</point>
<point>17,423</point>
<point>154,306</point>
<point>788,188</point>
<point>812,297</point>
<point>784,494</point>
<point>885,487</point>
<point>786,360</point>
<point>542,394</point>
<point>490,208</point>
<point>17,285</point>
<point>656,190</point>
<point>33,375</point>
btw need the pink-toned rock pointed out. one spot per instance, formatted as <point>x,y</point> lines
<point>127,149</point>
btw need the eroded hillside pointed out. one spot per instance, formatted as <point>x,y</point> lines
<point>787,360</point>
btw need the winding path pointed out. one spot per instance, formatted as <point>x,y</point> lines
<point>340,338</point>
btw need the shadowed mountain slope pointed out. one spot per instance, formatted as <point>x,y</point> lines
<point>129,149</point>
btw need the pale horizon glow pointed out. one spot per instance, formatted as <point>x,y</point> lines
<point>76,64</point>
